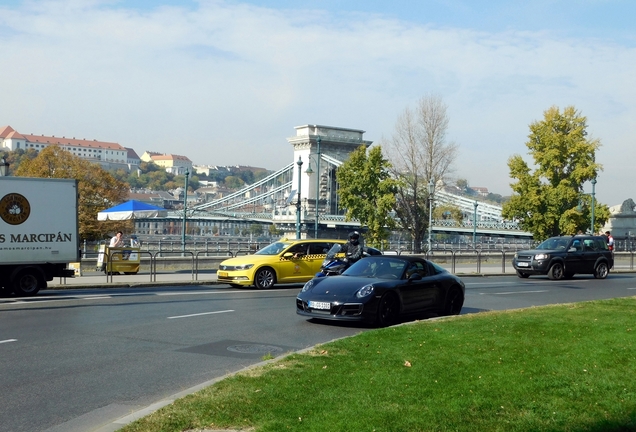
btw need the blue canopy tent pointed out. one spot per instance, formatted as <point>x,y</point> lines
<point>131,210</point>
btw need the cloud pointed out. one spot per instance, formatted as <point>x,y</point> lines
<point>225,83</point>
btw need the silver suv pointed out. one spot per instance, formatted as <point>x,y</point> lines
<point>563,257</point>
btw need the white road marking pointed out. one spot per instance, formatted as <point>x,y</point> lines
<point>219,292</point>
<point>95,298</point>
<point>515,292</point>
<point>8,340</point>
<point>199,314</point>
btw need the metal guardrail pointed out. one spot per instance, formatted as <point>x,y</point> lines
<point>475,258</point>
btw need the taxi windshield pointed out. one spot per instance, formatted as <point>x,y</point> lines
<point>273,249</point>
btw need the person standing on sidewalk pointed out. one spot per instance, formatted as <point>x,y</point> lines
<point>610,241</point>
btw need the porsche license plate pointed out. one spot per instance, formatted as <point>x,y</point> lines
<point>523,264</point>
<point>320,305</point>
<point>221,274</point>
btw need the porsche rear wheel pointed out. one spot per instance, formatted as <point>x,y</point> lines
<point>454,301</point>
<point>388,310</point>
<point>265,278</point>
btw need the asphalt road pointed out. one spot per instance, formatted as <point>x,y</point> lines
<point>78,360</point>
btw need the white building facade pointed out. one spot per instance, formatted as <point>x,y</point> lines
<point>93,150</point>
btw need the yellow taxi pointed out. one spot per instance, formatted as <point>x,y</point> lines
<point>285,261</point>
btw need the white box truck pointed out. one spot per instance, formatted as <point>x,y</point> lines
<point>38,232</point>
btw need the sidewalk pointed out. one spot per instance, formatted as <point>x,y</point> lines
<point>95,280</point>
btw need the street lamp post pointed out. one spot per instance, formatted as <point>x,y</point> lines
<point>593,193</point>
<point>185,208</point>
<point>317,185</point>
<point>4,167</point>
<point>475,204</point>
<point>431,191</point>
<point>300,165</point>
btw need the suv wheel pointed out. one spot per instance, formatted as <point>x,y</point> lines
<point>601,271</point>
<point>556,272</point>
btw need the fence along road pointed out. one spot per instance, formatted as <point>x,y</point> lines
<point>201,270</point>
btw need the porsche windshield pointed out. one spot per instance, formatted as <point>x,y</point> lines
<point>377,267</point>
<point>273,249</point>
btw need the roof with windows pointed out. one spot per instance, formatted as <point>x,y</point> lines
<point>7,132</point>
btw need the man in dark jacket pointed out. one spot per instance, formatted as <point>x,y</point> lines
<point>354,248</point>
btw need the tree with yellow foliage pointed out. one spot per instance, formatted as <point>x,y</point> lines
<point>97,188</point>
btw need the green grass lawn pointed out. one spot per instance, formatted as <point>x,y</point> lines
<point>556,368</point>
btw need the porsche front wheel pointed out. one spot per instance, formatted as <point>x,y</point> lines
<point>388,310</point>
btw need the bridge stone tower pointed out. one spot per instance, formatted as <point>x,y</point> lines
<point>321,149</point>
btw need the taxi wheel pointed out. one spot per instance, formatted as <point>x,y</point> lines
<point>265,278</point>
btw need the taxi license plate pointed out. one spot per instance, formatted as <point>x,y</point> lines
<point>221,274</point>
<point>320,305</point>
<point>523,264</point>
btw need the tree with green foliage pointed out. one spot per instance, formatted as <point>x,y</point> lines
<point>234,182</point>
<point>420,155</point>
<point>274,231</point>
<point>462,184</point>
<point>97,188</point>
<point>15,157</point>
<point>448,212</point>
<point>550,200</point>
<point>367,192</point>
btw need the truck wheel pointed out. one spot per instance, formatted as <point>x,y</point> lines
<point>556,272</point>
<point>28,282</point>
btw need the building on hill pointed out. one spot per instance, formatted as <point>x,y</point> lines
<point>147,156</point>
<point>133,158</point>
<point>107,154</point>
<point>481,191</point>
<point>174,164</point>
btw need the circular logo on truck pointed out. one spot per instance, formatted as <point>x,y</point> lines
<point>14,209</point>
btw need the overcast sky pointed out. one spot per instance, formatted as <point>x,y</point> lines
<point>226,82</point>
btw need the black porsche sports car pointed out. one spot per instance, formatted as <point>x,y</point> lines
<point>378,289</point>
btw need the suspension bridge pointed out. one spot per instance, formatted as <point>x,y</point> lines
<point>303,197</point>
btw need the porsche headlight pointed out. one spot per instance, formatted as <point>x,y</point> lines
<point>243,266</point>
<point>365,291</point>
<point>541,256</point>
<point>307,286</point>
